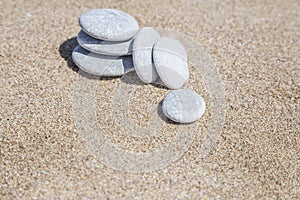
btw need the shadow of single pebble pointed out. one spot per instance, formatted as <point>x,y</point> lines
<point>159,84</point>
<point>162,116</point>
<point>131,78</point>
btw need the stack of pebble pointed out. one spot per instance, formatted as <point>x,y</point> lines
<point>110,44</point>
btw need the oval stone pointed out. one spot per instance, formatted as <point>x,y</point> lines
<point>108,24</point>
<point>101,65</point>
<point>183,106</point>
<point>104,47</point>
<point>170,60</point>
<point>142,54</point>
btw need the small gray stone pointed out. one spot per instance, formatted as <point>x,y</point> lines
<point>183,106</point>
<point>108,24</point>
<point>104,47</point>
<point>101,65</point>
<point>170,60</point>
<point>142,54</point>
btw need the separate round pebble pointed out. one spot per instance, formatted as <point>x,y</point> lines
<point>183,106</point>
<point>142,54</point>
<point>101,65</point>
<point>170,60</point>
<point>104,47</point>
<point>108,24</point>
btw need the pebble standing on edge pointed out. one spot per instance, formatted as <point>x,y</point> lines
<point>142,54</point>
<point>170,60</point>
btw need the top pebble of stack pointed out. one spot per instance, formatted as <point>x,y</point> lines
<point>108,24</point>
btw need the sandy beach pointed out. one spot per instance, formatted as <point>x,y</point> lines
<point>49,148</point>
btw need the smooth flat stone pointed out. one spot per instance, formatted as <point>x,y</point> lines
<point>104,47</point>
<point>101,65</point>
<point>108,24</point>
<point>142,54</point>
<point>183,106</point>
<point>170,60</point>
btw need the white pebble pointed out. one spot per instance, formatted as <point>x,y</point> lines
<point>108,24</point>
<point>101,65</point>
<point>183,106</point>
<point>170,60</point>
<point>142,54</point>
<point>104,47</point>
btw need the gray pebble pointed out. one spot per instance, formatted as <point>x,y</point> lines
<point>183,106</point>
<point>104,47</point>
<point>170,60</point>
<point>101,65</point>
<point>142,54</point>
<point>108,24</point>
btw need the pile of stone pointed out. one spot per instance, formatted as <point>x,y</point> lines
<point>111,44</point>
